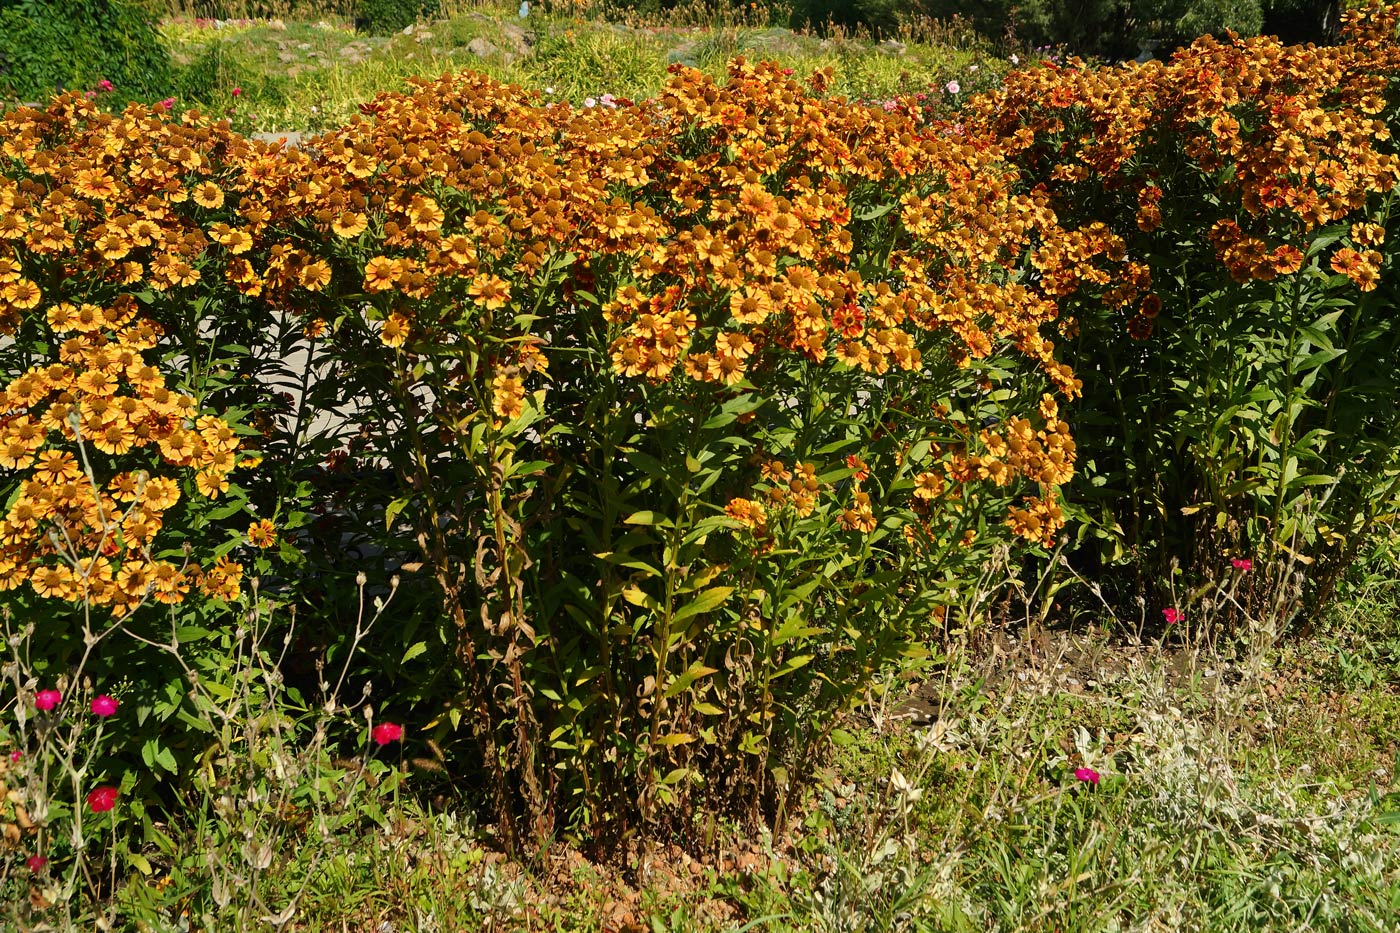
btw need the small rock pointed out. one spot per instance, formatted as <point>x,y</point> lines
<point>481,48</point>
<point>893,47</point>
<point>521,41</point>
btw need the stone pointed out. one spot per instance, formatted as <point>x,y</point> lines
<point>481,48</point>
<point>520,39</point>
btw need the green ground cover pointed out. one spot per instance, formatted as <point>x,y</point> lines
<point>296,75</point>
<point>1251,792</point>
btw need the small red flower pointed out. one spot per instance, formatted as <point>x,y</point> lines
<point>1088,775</point>
<point>1242,564</point>
<point>36,862</point>
<point>47,699</point>
<point>238,92</point>
<point>102,799</point>
<point>104,85</point>
<point>386,732</point>
<point>104,706</point>
<point>1172,616</point>
<point>16,755</point>
<point>168,103</point>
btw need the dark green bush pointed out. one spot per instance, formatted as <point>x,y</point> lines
<point>1107,28</point>
<point>49,45</point>
<point>378,17</point>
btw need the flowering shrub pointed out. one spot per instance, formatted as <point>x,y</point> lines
<point>696,407</point>
<point>696,413</point>
<point>1232,326</point>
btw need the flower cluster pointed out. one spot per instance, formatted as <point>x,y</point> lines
<point>1286,139</point>
<point>722,214</point>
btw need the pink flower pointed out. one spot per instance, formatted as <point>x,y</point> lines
<point>36,862</point>
<point>1172,616</point>
<point>102,799</point>
<point>1242,564</point>
<point>238,92</point>
<point>104,85</point>
<point>386,732</point>
<point>16,755</point>
<point>104,706</point>
<point>953,87</point>
<point>47,699</point>
<point>168,103</point>
<point>1088,775</point>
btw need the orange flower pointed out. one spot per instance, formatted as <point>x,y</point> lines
<point>262,533</point>
<point>395,330</point>
<point>208,195</point>
<point>349,224</point>
<point>490,291</point>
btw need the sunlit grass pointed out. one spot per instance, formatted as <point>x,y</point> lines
<point>299,75</point>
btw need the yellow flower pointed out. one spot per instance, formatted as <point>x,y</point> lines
<point>349,224</point>
<point>395,330</point>
<point>208,195</point>
<point>490,291</point>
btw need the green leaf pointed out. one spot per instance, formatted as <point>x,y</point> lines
<point>691,674</point>
<point>704,601</point>
<point>792,664</point>
<point>842,738</point>
<point>647,518</point>
<point>794,627</point>
<point>392,510</point>
<point>413,651</point>
<point>875,213</point>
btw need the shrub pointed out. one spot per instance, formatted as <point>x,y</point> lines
<point>1240,400</point>
<point>692,416</point>
<point>697,411</point>
<point>51,46</point>
<point>380,17</point>
<point>1107,28</point>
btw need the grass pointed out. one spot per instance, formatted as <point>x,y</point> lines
<point>1235,793</point>
<point>307,76</point>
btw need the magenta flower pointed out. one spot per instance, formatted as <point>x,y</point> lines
<point>47,699</point>
<point>238,92</point>
<point>386,732</point>
<point>102,799</point>
<point>36,862</point>
<point>1087,775</point>
<point>1242,564</point>
<point>1172,616</point>
<point>104,706</point>
<point>16,755</point>
<point>168,103</point>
